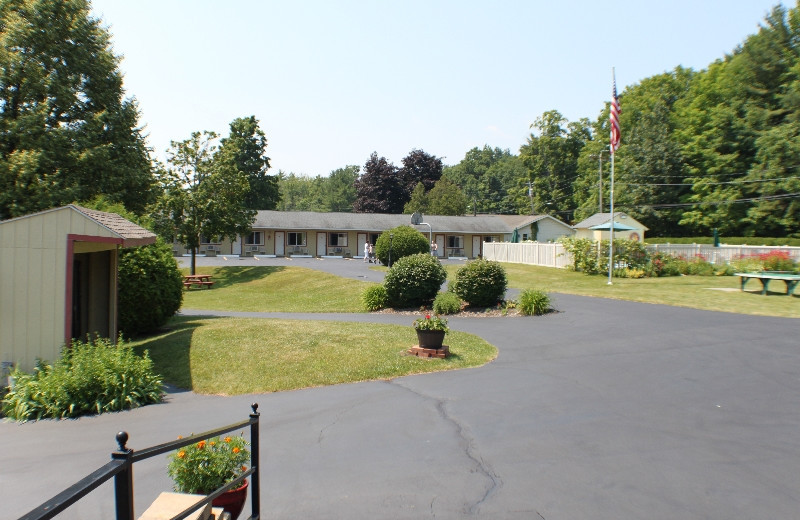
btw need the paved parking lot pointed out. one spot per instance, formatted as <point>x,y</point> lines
<point>606,409</point>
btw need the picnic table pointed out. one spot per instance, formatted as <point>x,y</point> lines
<point>765,277</point>
<point>201,280</point>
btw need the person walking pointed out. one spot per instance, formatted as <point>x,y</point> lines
<point>366,252</point>
<point>371,254</point>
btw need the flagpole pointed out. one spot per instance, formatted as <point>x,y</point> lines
<point>613,143</point>
<point>611,238</point>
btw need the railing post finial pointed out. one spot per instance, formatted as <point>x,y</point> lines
<point>122,440</point>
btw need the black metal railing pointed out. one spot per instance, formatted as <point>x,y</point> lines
<point>121,469</point>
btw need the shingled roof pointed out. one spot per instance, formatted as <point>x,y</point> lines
<point>378,222</point>
<point>600,218</point>
<point>132,235</point>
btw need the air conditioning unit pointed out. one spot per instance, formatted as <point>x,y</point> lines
<point>253,249</point>
<point>212,248</point>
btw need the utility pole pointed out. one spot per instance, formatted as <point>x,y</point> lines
<point>600,194</point>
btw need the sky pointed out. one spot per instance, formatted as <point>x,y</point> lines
<point>333,81</point>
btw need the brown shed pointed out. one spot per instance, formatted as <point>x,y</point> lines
<point>58,280</point>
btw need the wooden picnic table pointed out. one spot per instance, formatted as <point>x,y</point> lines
<point>202,280</point>
<point>765,277</point>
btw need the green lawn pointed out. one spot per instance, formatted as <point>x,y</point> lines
<point>279,289</point>
<point>716,293</point>
<point>237,356</point>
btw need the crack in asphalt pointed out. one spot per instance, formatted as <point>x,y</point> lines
<point>324,429</point>
<point>470,448</point>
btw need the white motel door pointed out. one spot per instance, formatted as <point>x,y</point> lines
<point>322,244</point>
<point>279,251</point>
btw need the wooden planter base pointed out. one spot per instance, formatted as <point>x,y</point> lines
<point>440,353</point>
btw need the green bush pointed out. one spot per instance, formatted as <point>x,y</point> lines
<point>150,288</point>
<point>533,302</point>
<point>414,280</point>
<point>374,298</point>
<point>480,283</point>
<point>446,303</point>
<point>585,254</point>
<point>404,241</point>
<point>90,378</point>
<point>663,264</point>
<point>698,266</point>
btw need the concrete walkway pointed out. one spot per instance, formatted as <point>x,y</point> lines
<point>606,409</point>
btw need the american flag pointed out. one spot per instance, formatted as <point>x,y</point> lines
<point>614,119</point>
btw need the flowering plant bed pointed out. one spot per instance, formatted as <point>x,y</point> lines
<point>207,465</point>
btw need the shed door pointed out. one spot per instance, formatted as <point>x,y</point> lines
<point>322,244</point>
<point>279,250</point>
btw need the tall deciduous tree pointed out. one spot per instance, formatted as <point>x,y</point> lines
<point>552,159</point>
<point>202,195</point>
<point>381,188</point>
<point>66,133</point>
<point>340,189</point>
<point>419,166</point>
<point>246,149</point>
<point>446,198</point>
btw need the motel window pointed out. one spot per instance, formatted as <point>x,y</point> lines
<point>337,239</point>
<point>256,238</point>
<point>524,237</point>
<point>296,238</point>
<point>455,241</point>
<point>489,239</point>
<point>205,240</point>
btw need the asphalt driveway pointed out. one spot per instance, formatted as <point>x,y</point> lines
<point>606,409</point>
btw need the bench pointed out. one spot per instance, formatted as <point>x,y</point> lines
<point>765,277</point>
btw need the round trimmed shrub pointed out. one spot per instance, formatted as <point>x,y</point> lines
<point>446,303</point>
<point>374,298</point>
<point>414,280</point>
<point>480,283</point>
<point>150,288</point>
<point>534,302</point>
<point>405,241</point>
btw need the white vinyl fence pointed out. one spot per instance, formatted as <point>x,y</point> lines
<point>553,254</point>
<point>533,253</point>
<point>722,254</point>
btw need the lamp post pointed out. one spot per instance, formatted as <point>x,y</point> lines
<point>391,238</point>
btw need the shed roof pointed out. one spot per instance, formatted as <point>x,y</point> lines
<point>132,235</point>
<point>377,222</point>
<point>603,218</point>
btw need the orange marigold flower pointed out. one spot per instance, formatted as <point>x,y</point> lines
<point>244,468</point>
<point>236,449</point>
<point>211,443</point>
<point>180,437</point>
<point>181,454</point>
<point>227,439</point>
<point>201,445</point>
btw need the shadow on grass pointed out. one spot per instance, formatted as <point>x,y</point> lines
<point>170,350</point>
<point>232,275</point>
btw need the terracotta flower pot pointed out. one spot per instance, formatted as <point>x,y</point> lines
<point>232,501</point>
<point>430,338</point>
